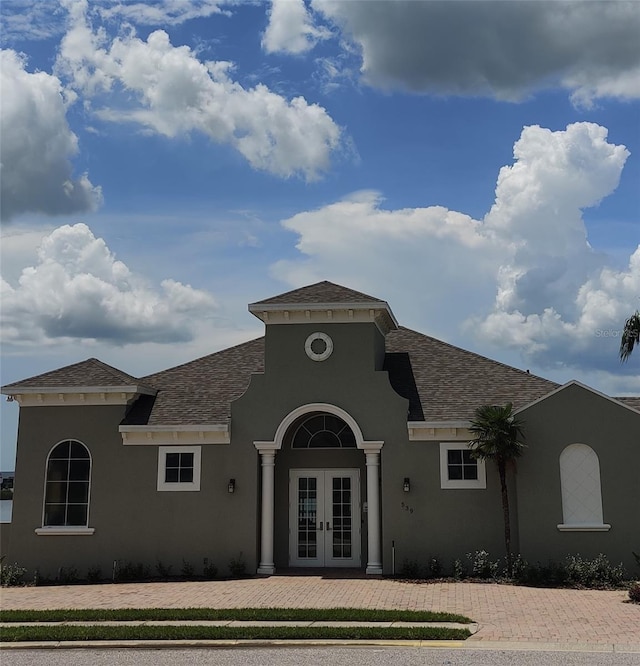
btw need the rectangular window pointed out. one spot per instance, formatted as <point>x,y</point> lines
<point>460,465</point>
<point>179,468</point>
<point>459,469</point>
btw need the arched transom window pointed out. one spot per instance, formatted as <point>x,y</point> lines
<point>323,431</point>
<point>66,500</point>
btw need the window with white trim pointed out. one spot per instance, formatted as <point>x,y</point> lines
<point>179,468</point>
<point>581,492</point>
<point>68,477</point>
<point>459,469</point>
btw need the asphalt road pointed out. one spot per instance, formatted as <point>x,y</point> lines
<point>330,656</point>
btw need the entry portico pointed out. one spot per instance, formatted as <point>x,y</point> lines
<point>268,451</point>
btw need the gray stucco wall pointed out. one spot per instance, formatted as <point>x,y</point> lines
<point>577,415</point>
<point>349,379</point>
<point>132,520</point>
<point>430,521</point>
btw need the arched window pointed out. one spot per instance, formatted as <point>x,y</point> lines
<point>323,431</point>
<point>66,500</point>
<point>581,494</point>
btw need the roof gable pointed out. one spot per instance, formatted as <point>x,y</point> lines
<point>325,302</point>
<point>320,292</point>
<point>88,373</point>
<point>627,403</point>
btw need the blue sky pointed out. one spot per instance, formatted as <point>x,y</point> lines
<point>473,163</point>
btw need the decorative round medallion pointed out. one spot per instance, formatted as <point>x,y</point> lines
<point>318,346</point>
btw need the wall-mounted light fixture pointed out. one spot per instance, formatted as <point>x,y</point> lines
<point>232,486</point>
<point>406,485</point>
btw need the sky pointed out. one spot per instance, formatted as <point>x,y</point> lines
<point>473,163</point>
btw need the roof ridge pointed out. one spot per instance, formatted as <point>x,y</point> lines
<point>112,370</point>
<point>279,299</point>
<point>526,373</point>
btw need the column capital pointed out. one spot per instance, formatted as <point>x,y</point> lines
<point>371,447</point>
<point>266,448</point>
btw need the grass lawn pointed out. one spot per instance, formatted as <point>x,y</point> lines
<point>97,633</point>
<point>264,614</point>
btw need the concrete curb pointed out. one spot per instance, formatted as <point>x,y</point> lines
<point>222,644</point>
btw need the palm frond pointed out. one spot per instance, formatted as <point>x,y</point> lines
<point>497,433</point>
<point>630,336</point>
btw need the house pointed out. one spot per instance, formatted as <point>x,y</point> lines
<point>339,439</point>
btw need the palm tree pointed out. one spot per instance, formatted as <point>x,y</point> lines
<point>498,437</point>
<point>630,336</point>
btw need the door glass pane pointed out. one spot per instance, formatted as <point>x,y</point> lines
<point>341,512</point>
<point>307,512</point>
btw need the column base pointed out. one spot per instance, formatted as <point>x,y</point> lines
<point>266,570</point>
<point>374,570</point>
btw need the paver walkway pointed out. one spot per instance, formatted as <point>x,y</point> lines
<point>505,613</point>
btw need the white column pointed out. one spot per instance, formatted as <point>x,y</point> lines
<point>374,556</point>
<point>268,461</point>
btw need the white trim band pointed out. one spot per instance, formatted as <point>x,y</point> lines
<point>564,527</point>
<point>65,530</point>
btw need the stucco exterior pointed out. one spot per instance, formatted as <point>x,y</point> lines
<point>404,396</point>
<point>573,415</point>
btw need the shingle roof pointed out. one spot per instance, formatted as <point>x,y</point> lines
<point>91,372</point>
<point>444,383</point>
<point>630,401</point>
<point>201,391</point>
<point>321,292</point>
<point>441,382</point>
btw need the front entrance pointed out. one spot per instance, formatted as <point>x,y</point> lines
<point>324,518</point>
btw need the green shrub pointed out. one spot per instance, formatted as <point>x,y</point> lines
<point>10,574</point>
<point>434,568</point>
<point>67,576</point>
<point>94,574</point>
<point>458,570</point>
<point>410,569</point>
<point>634,592</point>
<point>518,567</point>
<point>163,570</point>
<point>550,574</point>
<point>126,572</point>
<point>187,570</point>
<point>482,566</point>
<point>237,566</point>
<point>210,570</point>
<point>596,573</point>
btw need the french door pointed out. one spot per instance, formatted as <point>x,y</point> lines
<point>324,518</point>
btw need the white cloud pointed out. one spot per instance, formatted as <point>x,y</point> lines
<point>162,12</point>
<point>28,20</point>
<point>290,28</point>
<point>424,261</point>
<point>524,278</point>
<point>500,49</point>
<point>173,93</point>
<point>38,145</point>
<point>78,289</point>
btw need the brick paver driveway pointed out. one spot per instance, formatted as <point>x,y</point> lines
<point>504,612</point>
